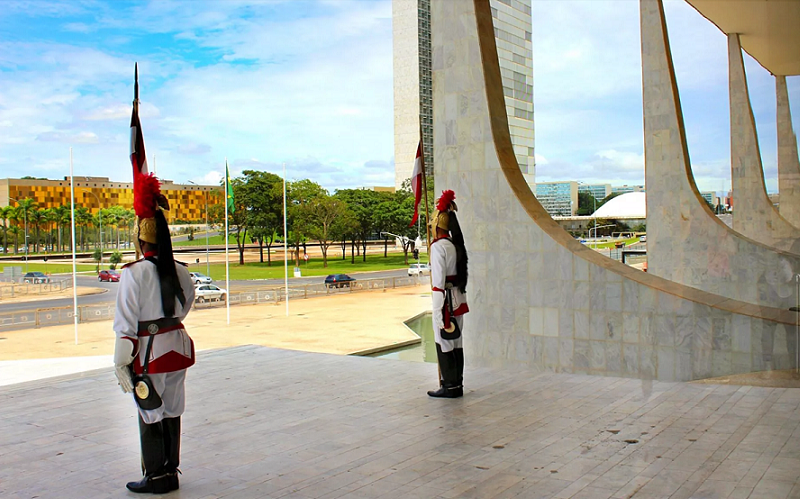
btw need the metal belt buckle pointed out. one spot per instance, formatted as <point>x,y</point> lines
<point>152,329</point>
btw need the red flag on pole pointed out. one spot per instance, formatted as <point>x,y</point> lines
<point>416,182</point>
<point>138,158</point>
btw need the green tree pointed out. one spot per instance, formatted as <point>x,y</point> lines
<point>115,259</point>
<point>394,215</point>
<point>587,203</point>
<point>265,200</point>
<point>318,218</point>
<point>15,231</point>
<point>83,217</point>
<point>424,211</point>
<point>363,204</point>
<point>24,209</point>
<point>5,215</point>
<point>37,218</point>
<point>97,256</point>
<point>240,218</point>
<point>301,192</point>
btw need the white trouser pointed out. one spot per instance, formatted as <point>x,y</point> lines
<point>169,387</point>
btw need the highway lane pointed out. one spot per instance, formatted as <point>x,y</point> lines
<point>110,295</point>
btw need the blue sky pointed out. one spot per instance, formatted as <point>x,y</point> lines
<point>309,83</point>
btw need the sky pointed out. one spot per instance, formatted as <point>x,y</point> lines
<point>308,84</point>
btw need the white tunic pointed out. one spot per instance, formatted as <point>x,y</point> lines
<point>139,300</point>
<point>443,264</point>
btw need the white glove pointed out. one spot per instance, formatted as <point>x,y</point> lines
<point>123,356</point>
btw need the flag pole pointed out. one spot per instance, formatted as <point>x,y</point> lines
<point>227,268</point>
<point>74,276</point>
<point>425,191</point>
<point>285,245</point>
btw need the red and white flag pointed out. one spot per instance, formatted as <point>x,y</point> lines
<point>416,183</point>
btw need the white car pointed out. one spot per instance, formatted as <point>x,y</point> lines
<point>198,278</point>
<point>209,292</point>
<point>419,269</point>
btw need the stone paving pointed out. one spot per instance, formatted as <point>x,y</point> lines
<point>271,423</point>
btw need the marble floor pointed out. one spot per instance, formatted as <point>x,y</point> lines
<point>270,423</point>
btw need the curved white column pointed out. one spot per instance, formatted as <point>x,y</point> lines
<point>538,298</point>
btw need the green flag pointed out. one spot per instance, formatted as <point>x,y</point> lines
<point>229,188</point>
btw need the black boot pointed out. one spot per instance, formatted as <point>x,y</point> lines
<point>155,480</point>
<point>172,449</point>
<point>151,485</point>
<point>459,353</point>
<point>450,387</point>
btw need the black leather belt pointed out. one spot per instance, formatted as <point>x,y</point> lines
<point>162,325</point>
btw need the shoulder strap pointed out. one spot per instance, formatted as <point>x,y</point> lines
<point>147,354</point>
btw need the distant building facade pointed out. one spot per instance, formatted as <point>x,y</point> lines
<point>622,189</point>
<point>559,199</point>
<point>413,92</point>
<point>599,191</point>
<point>187,202</point>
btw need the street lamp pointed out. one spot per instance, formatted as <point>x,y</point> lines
<point>205,196</point>
<point>99,217</point>
<point>405,239</point>
<point>25,217</point>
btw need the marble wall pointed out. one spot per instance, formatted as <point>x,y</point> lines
<point>538,298</point>
<point>686,243</point>
<point>753,212</point>
<point>788,163</point>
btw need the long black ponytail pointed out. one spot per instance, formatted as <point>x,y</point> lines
<point>165,265</point>
<point>462,259</point>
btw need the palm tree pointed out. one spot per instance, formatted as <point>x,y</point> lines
<point>15,231</point>
<point>5,213</point>
<point>36,218</point>
<point>61,217</point>
<point>83,217</point>
<point>14,216</point>
<point>25,207</point>
<point>49,219</point>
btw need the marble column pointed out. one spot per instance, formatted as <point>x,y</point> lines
<point>686,242</point>
<point>753,213</point>
<point>538,298</point>
<point>788,164</point>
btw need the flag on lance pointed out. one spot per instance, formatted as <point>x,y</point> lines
<point>416,182</point>
<point>138,158</point>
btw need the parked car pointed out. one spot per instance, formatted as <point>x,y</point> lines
<point>209,292</point>
<point>108,276</point>
<point>643,239</point>
<point>198,278</point>
<point>338,280</point>
<point>419,269</point>
<point>35,278</point>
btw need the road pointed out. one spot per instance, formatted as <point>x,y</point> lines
<point>111,295</point>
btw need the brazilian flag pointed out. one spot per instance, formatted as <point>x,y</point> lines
<point>229,188</point>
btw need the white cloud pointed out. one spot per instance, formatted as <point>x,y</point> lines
<point>588,102</point>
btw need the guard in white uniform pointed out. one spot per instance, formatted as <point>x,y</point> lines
<point>155,295</point>
<point>448,257</point>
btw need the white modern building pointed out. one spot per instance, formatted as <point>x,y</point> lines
<point>413,97</point>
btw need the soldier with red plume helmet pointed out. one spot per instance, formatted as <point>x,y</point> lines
<point>449,285</point>
<point>155,295</point>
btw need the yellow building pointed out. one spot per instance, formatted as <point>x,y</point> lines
<point>187,202</point>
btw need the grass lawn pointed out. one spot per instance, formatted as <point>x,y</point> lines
<point>256,270</point>
<point>200,240</point>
